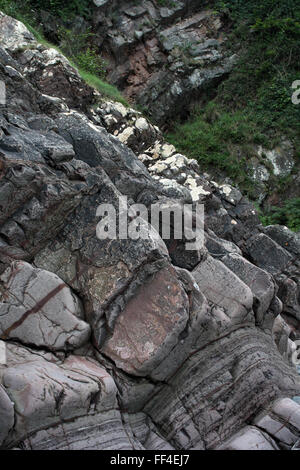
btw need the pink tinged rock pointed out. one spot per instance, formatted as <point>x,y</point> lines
<point>150,324</point>
<point>39,308</point>
<point>46,392</point>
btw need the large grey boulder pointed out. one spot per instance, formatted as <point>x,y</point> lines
<point>150,325</point>
<point>250,438</point>
<point>276,428</point>
<point>204,403</point>
<point>35,199</point>
<point>267,254</point>
<point>39,309</point>
<point>289,411</point>
<point>107,273</point>
<point>14,34</point>
<point>260,282</point>
<point>47,392</point>
<point>285,238</point>
<point>278,253</point>
<point>222,287</point>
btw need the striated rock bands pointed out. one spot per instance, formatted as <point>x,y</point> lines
<point>122,343</point>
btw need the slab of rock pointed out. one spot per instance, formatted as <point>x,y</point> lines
<point>206,323</point>
<point>101,431</point>
<point>35,199</point>
<point>204,404</point>
<point>287,239</point>
<point>38,308</point>
<point>14,34</point>
<point>30,145</point>
<point>46,391</point>
<point>276,429</point>
<point>260,282</point>
<point>217,246</point>
<point>150,324</point>
<point>267,254</point>
<point>280,259</point>
<point>222,287</point>
<point>250,438</point>
<point>281,333</point>
<point>155,442</point>
<point>289,293</point>
<point>105,272</point>
<point>108,430</point>
<point>289,411</point>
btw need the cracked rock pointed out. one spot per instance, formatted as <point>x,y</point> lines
<point>39,309</point>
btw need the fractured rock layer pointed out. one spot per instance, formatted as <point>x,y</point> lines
<point>131,343</point>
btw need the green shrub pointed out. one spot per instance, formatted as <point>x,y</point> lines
<point>253,105</point>
<point>211,137</point>
<point>77,48</point>
<point>166,3</point>
<point>90,62</point>
<point>266,35</point>
<point>64,9</point>
<point>288,214</point>
<point>106,89</point>
<point>72,44</point>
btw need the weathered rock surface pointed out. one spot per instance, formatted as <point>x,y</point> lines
<point>260,282</point>
<point>166,58</point>
<point>250,438</point>
<point>276,429</point>
<point>163,56</point>
<point>224,289</point>
<point>130,343</point>
<point>39,309</point>
<point>6,414</point>
<point>47,69</point>
<point>150,325</point>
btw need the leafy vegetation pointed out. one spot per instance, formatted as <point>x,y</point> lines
<point>288,214</point>
<point>83,54</point>
<point>77,48</point>
<point>266,34</point>
<point>254,104</point>
<point>63,9</point>
<point>106,89</point>
<point>219,140</point>
<point>27,9</point>
<point>166,3</point>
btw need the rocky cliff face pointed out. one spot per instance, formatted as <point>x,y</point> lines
<point>130,344</point>
<point>169,56</point>
<point>163,54</point>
